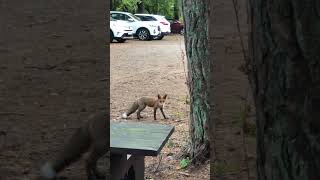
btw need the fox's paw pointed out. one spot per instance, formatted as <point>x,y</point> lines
<point>100,175</point>
<point>47,171</point>
<point>124,116</point>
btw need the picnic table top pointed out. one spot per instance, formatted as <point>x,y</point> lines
<point>138,138</point>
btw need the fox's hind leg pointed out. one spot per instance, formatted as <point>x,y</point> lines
<point>131,110</point>
<point>141,108</point>
<point>91,165</point>
<point>94,154</point>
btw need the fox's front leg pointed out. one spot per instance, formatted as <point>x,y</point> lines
<point>90,168</point>
<point>163,113</point>
<point>155,113</point>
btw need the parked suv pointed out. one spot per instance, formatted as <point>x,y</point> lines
<point>176,26</point>
<point>119,30</point>
<point>162,21</point>
<point>142,29</point>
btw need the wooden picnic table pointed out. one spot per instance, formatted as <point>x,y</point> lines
<point>130,143</point>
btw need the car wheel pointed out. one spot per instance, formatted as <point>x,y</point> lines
<point>121,40</point>
<point>158,37</point>
<point>111,36</point>
<point>143,34</point>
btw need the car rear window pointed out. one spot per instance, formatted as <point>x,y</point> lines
<point>147,18</point>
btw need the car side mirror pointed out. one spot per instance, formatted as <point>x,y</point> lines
<point>130,20</point>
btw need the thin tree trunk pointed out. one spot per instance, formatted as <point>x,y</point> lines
<point>157,5</point>
<point>176,10</point>
<point>199,77</point>
<point>140,8</point>
<point>284,72</point>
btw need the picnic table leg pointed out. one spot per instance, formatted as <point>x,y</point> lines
<point>120,165</point>
<point>138,162</point>
<point>117,169</point>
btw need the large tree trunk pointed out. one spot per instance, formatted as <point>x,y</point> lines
<point>284,71</point>
<point>199,77</point>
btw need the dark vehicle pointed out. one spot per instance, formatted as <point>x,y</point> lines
<point>176,26</point>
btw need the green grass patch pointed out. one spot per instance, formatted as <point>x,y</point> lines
<point>170,143</point>
<point>184,163</point>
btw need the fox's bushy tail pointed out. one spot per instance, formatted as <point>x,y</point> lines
<point>72,151</point>
<point>131,110</point>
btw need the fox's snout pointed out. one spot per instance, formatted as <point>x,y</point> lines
<point>161,100</point>
<point>161,105</point>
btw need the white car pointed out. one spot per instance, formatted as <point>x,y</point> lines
<point>162,21</point>
<point>142,29</point>
<point>119,30</point>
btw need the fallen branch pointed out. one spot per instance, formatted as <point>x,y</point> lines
<point>11,113</point>
<point>185,174</point>
<point>47,67</point>
<point>245,57</point>
<point>42,22</point>
<point>245,69</point>
<point>160,158</point>
<point>104,79</point>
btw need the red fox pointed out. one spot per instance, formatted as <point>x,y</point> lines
<point>91,137</point>
<point>142,103</point>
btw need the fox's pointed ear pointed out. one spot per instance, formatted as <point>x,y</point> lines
<point>165,96</point>
<point>159,97</point>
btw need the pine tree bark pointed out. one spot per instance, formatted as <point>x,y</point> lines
<point>199,76</point>
<point>284,72</point>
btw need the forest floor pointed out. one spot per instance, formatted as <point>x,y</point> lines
<point>146,68</point>
<point>234,143</point>
<point>49,81</point>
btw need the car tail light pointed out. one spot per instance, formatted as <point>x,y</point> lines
<point>164,23</point>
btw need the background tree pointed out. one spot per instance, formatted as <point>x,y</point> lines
<point>284,72</point>
<point>199,76</point>
<point>140,6</point>
<point>162,7</point>
<point>176,12</point>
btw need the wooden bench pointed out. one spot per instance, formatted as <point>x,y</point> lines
<point>130,143</point>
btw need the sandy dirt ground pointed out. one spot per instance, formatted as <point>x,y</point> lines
<point>146,68</point>
<point>235,151</point>
<point>50,75</point>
